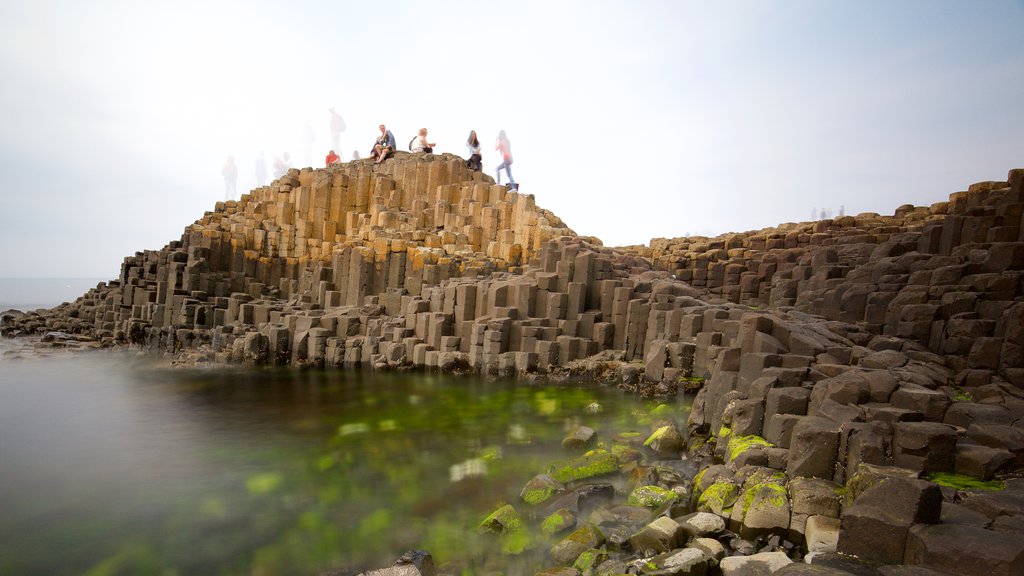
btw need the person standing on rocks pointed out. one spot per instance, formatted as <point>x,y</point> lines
<point>332,158</point>
<point>419,143</point>
<point>281,165</point>
<point>230,174</point>
<point>503,145</point>
<point>261,170</point>
<point>355,155</point>
<point>337,127</point>
<point>475,158</point>
<point>384,146</point>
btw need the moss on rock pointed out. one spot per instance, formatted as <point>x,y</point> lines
<point>593,463</point>
<point>740,444</point>
<point>651,497</point>
<point>963,482</point>
<point>504,519</point>
<point>718,498</point>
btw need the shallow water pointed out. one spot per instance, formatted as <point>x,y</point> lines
<point>112,465</point>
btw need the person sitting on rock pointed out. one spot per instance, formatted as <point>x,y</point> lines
<point>332,158</point>
<point>385,145</point>
<point>475,161</point>
<point>419,143</point>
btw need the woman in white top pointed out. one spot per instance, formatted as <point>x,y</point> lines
<point>475,159</point>
<point>420,144</point>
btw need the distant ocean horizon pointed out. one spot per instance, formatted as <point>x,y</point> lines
<point>33,293</point>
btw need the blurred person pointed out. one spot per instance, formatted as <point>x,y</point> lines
<point>230,174</point>
<point>419,143</point>
<point>332,158</point>
<point>475,158</point>
<point>503,145</point>
<point>308,137</point>
<point>281,165</point>
<point>260,167</point>
<point>384,146</point>
<point>337,127</point>
<point>355,155</point>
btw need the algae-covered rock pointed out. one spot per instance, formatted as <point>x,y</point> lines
<point>504,519</point>
<point>764,508</point>
<point>569,549</point>
<point>718,498</point>
<point>588,561</point>
<point>739,444</point>
<point>558,521</point>
<point>540,488</point>
<point>594,463</point>
<point>666,442</point>
<point>651,497</point>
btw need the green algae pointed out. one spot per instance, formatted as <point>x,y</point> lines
<point>651,497</point>
<point>556,522</point>
<point>718,497</point>
<point>504,519</point>
<point>263,483</point>
<point>662,410</point>
<point>594,463</point>
<point>724,431</point>
<point>739,444</point>
<point>657,435</point>
<point>587,561</point>
<point>964,482</point>
<point>770,493</point>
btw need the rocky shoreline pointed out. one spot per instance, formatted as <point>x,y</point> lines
<point>860,379</point>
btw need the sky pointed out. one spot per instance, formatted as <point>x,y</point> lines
<point>629,120</point>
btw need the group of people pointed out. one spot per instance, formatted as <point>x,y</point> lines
<point>385,146</point>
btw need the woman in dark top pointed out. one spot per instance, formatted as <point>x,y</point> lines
<point>475,159</point>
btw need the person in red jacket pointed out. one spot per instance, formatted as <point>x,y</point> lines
<point>332,158</point>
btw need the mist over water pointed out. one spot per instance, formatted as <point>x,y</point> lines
<point>114,464</point>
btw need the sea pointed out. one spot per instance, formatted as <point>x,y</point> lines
<point>33,293</point>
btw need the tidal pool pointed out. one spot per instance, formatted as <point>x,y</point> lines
<point>110,464</point>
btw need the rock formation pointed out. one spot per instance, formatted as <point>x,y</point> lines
<point>838,362</point>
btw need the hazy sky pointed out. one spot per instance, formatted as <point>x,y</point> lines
<point>630,120</point>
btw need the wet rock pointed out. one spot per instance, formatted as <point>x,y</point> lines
<point>412,563</point>
<point>569,548</point>
<point>503,520</point>
<point>579,437</point>
<point>594,463</point>
<point>666,442</point>
<point>560,571</point>
<point>540,488</point>
<point>711,548</point>
<point>558,521</point>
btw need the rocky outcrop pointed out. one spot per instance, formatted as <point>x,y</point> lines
<point>827,355</point>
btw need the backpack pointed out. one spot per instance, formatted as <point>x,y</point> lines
<point>411,141</point>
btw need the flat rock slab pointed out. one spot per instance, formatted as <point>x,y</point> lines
<point>966,550</point>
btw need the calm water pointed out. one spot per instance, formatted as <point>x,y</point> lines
<point>31,293</point>
<point>112,465</point>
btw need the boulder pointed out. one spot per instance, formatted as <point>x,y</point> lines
<point>763,509</point>
<point>965,550</point>
<point>540,488</point>
<point>761,564</point>
<point>875,527</point>
<point>683,562</point>
<point>569,548</point>
<point>666,442</point>
<point>579,437</point>
<point>711,548</point>
<point>650,497</point>
<point>821,533</point>
<point>980,461</point>
<point>659,536</point>
<point>412,563</point>
<point>700,524</point>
